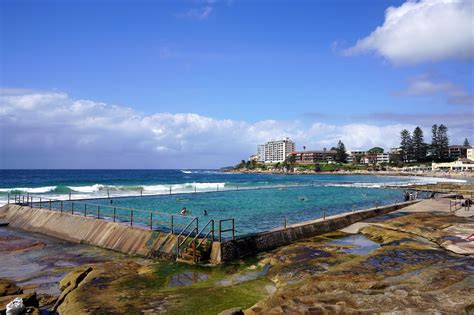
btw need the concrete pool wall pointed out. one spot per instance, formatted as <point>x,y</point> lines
<point>87,230</point>
<point>148,243</point>
<point>252,244</point>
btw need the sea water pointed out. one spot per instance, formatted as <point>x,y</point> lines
<point>240,197</point>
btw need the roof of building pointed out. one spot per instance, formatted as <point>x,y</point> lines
<point>315,151</point>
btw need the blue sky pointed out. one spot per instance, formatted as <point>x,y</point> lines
<point>270,69</point>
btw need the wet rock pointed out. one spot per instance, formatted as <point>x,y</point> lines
<point>12,244</point>
<point>70,282</point>
<point>410,273</point>
<point>73,278</point>
<point>232,311</point>
<point>9,288</point>
<point>32,311</point>
<point>100,289</point>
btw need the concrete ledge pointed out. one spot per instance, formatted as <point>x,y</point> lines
<point>241,247</point>
<point>79,229</point>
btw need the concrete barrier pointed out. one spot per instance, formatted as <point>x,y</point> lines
<point>147,243</point>
<point>101,233</point>
<point>252,244</point>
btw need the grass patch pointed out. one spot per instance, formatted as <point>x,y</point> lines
<point>215,299</point>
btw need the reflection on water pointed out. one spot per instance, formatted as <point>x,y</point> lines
<point>360,245</point>
<point>187,278</point>
<point>239,278</point>
<point>38,262</point>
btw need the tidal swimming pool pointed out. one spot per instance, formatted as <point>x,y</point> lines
<point>254,211</point>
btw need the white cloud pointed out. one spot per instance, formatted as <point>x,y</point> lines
<point>197,13</point>
<point>426,85</point>
<point>420,31</point>
<point>50,129</point>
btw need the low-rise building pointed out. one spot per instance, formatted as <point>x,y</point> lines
<point>314,156</point>
<point>459,165</point>
<point>470,154</point>
<point>457,151</point>
<point>356,156</point>
<point>383,158</point>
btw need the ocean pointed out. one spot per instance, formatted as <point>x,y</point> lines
<point>290,198</point>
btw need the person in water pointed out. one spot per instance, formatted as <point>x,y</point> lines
<point>184,211</point>
<point>204,212</point>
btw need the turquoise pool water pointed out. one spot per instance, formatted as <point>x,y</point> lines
<point>253,210</point>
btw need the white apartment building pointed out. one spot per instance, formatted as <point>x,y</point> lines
<point>275,151</point>
<point>261,153</point>
<point>470,154</point>
<point>383,158</point>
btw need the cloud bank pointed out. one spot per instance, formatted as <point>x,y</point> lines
<point>421,31</point>
<point>41,129</point>
<point>425,85</point>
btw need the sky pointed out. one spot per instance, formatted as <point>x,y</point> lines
<point>198,84</point>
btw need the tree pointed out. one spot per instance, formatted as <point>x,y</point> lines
<point>435,143</point>
<point>466,143</point>
<point>341,154</point>
<point>406,145</point>
<point>241,164</point>
<point>289,162</point>
<point>443,142</point>
<point>376,150</point>
<point>291,159</point>
<point>419,146</point>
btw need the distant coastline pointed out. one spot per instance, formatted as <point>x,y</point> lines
<point>453,175</point>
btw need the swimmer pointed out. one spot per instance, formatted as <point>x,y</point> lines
<point>204,212</point>
<point>184,211</point>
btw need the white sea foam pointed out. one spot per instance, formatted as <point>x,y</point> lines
<point>87,189</point>
<point>36,190</point>
<point>183,187</point>
<point>401,183</point>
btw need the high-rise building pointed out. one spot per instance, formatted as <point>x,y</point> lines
<point>275,151</point>
<point>261,153</point>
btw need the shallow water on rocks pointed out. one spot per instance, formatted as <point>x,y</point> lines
<point>360,245</point>
<point>187,278</point>
<point>248,276</point>
<point>38,262</point>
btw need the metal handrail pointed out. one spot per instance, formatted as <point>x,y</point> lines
<point>232,229</point>
<point>207,234</point>
<point>180,234</point>
<point>49,200</point>
<point>105,211</point>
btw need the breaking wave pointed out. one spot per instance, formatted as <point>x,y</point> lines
<point>98,188</point>
<point>34,190</point>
